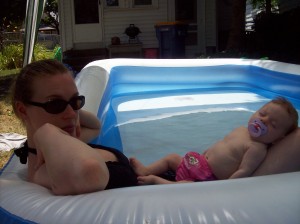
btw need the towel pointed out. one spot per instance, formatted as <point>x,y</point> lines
<point>10,141</point>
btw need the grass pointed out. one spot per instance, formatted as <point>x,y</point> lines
<point>9,123</point>
<point>5,73</point>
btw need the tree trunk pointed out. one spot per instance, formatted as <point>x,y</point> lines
<point>237,32</point>
<point>268,7</point>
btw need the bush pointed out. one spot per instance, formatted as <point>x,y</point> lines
<point>11,56</point>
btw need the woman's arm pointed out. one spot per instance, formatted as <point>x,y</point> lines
<point>71,166</point>
<point>282,157</point>
<point>90,126</point>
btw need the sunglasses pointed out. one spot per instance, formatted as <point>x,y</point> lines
<point>57,106</point>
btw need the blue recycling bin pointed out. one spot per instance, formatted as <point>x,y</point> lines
<point>171,38</point>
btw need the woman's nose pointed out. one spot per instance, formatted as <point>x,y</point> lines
<point>70,112</point>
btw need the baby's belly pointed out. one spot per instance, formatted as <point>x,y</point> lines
<point>223,166</point>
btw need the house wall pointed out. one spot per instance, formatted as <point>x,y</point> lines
<point>65,24</point>
<point>116,20</point>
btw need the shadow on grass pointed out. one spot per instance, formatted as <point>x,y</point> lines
<point>5,84</point>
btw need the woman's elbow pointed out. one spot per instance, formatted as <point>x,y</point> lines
<point>93,176</point>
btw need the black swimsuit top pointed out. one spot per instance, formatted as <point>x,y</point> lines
<point>22,153</point>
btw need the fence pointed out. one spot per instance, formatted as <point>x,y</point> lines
<point>49,40</point>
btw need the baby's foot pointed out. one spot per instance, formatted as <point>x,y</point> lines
<point>138,167</point>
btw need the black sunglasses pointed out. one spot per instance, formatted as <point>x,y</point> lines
<point>57,106</point>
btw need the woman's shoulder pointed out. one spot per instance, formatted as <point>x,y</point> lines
<point>282,157</point>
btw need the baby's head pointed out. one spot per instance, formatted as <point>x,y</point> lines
<point>273,121</point>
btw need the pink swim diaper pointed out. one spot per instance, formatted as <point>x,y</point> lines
<point>194,167</point>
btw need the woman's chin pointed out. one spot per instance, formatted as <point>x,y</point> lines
<point>70,131</point>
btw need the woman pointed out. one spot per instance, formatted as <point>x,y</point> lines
<point>47,101</point>
<point>282,157</point>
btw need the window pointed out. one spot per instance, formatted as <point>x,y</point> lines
<point>186,11</point>
<point>142,2</point>
<point>86,11</point>
<point>122,4</point>
<point>112,2</point>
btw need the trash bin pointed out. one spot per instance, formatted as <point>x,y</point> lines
<point>171,38</point>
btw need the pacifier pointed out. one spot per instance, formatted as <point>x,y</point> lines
<point>257,128</point>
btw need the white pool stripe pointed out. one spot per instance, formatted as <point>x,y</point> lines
<point>168,115</point>
<point>188,100</point>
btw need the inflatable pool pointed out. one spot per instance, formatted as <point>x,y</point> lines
<point>129,96</point>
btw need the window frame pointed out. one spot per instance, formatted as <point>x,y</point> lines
<point>154,4</point>
<point>130,4</point>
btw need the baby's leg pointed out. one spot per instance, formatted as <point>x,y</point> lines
<point>170,162</point>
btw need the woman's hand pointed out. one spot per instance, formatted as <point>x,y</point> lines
<point>78,128</point>
<point>88,126</point>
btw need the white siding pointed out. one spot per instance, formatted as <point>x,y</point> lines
<point>65,23</point>
<point>115,21</point>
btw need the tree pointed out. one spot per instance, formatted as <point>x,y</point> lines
<point>51,17</point>
<point>236,39</point>
<point>265,5</point>
<point>12,14</point>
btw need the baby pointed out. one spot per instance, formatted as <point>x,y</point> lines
<point>237,155</point>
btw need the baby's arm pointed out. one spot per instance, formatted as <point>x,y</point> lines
<point>251,160</point>
<point>90,126</point>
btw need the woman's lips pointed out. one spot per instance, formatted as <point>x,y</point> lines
<point>69,129</point>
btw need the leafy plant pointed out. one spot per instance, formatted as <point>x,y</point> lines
<point>12,55</point>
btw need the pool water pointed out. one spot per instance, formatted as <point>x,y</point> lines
<point>153,129</point>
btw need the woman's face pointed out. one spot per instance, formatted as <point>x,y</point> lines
<point>61,86</point>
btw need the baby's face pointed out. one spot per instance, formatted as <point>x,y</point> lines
<point>276,119</point>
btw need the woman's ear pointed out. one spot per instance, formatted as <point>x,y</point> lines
<point>21,110</point>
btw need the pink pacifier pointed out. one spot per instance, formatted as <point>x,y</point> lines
<point>257,128</point>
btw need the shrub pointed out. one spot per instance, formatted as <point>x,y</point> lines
<point>12,55</point>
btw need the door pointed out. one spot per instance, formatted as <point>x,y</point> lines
<point>87,21</point>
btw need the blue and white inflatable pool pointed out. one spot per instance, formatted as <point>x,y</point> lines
<point>150,108</point>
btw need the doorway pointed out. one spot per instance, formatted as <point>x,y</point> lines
<point>87,21</point>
